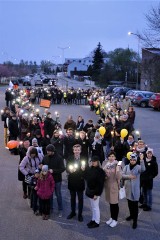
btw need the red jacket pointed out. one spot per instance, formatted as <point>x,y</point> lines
<point>45,187</point>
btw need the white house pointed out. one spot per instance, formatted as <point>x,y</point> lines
<point>76,66</point>
<point>80,64</point>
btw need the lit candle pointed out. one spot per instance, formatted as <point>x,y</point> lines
<point>2,111</point>
<point>77,134</point>
<point>70,167</point>
<point>83,163</point>
<point>37,110</point>
<point>60,132</point>
<point>75,165</point>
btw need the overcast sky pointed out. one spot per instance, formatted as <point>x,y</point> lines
<point>33,30</point>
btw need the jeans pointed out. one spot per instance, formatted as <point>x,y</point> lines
<point>58,195</point>
<point>95,210</point>
<point>147,194</point>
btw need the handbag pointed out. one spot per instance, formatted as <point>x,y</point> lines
<point>122,193</point>
<point>28,179</point>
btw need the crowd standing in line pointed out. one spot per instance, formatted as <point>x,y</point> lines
<point>92,159</point>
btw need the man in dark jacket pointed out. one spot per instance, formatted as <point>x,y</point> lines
<point>69,141</point>
<point>49,125</point>
<point>95,177</point>
<point>13,131</point>
<point>76,183</point>
<point>56,167</point>
<point>70,123</point>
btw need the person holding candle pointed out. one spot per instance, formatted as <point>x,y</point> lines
<point>76,183</point>
<point>111,186</point>
<point>56,168</point>
<point>94,177</point>
<point>131,175</point>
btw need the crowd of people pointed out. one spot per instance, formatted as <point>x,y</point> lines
<point>93,161</point>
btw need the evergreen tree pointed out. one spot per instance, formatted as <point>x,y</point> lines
<point>97,62</point>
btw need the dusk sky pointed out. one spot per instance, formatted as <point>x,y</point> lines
<point>33,30</point>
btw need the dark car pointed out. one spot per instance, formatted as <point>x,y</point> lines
<point>120,91</point>
<point>15,82</point>
<point>46,80</point>
<point>26,82</point>
<point>110,88</point>
<point>39,83</point>
<point>154,101</point>
<point>142,98</point>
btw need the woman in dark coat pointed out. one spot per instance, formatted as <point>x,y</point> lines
<point>80,123</point>
<point>146,179</point>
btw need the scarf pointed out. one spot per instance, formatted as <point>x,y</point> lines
<point>140,150</point>
<point>110,167</point>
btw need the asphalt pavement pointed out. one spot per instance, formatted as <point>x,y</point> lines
<point>17,221</point>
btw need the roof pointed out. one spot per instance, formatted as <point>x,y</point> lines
<point>153,50</point>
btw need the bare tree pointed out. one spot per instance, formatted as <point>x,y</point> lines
<point>151,35</point>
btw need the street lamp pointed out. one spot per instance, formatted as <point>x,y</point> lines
<point>63,61</point>
<point>63,48</point>
<point>138,36</point>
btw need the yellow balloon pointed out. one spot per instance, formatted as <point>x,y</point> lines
<point>124,133</point>
<point>97,112</point>
<point>128,155</point>
<point>102,130</point>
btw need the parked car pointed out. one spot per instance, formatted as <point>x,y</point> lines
<point>142,98</point>
<point>15,82</point>
<point>46,80</point>
<point>154,101</point>
<point>38,82</point>
<point>110,88</point>
<point>131,93</point>
<point>26,82</point>
<point>120,91</point>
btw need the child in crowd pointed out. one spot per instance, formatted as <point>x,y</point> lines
<point>45,188</point>
<point>34,196</point>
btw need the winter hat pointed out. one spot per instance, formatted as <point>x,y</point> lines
<point>134,156</point>
<point>34,140</point>
<point>95,159</point>
<point>50,148</point>
<point>149,150</point>
<point>45,168</point>
<point>38,132</point>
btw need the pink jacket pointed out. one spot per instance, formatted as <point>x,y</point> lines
<point>41,124</point>
<point>45,187</point>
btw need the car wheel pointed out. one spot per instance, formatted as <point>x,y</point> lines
<point>143,104</point>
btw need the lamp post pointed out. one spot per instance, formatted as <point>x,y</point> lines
<point>63,61</point>
<point>138,36</point>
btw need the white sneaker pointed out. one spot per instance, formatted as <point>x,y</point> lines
<point>60,214</point>
<point>109,221</point>
<point>113,224</point>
